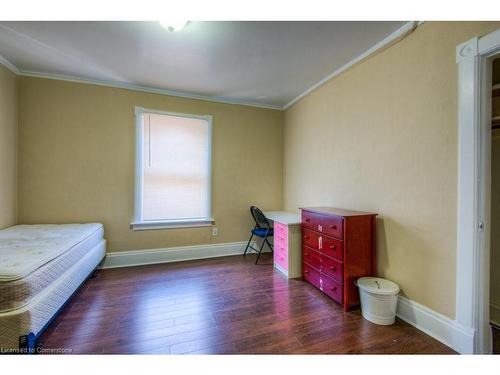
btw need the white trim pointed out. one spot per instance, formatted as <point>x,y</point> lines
<point>9,65</point>
<point>442,328</point>
<point>488,44</point>
<point>139,223</point>
<point>474,197</point>
<point>171,224</point>
<point>281,270</point>
<point>467,176</point>
<point>152,90</point>
<point>389,40</point>
<point>139,136</point>
<point>172,254</point>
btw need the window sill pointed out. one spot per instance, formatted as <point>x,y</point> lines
<point>155,225</point>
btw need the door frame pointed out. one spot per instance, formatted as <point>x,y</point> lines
<point>474,187</point>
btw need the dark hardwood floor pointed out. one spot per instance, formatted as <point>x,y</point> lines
<point>218,306</point>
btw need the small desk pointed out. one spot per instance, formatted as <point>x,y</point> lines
<point>287,242</point>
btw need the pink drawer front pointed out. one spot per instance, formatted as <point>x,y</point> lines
<point>281,245</point>
<point>281,260</point>
<point>280,232</point>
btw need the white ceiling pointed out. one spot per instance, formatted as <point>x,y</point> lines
<point>260,63</point>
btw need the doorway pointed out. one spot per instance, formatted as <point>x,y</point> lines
<point>494,306</point>
<point>475,66</point>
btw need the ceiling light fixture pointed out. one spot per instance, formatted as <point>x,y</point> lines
<point>173,25</point>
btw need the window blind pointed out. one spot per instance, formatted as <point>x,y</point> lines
<point>176,168</point>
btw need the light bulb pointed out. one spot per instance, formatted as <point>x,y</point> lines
<point>173,25</point>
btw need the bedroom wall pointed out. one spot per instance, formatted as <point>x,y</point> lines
<point>8,147</point>
<point>76,161</point>
<point>382,137</point>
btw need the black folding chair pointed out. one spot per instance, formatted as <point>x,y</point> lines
<point>262,229</point>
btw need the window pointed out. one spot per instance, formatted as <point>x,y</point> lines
<point>173,167</point>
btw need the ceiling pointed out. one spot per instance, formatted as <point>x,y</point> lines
<point>258,63</point>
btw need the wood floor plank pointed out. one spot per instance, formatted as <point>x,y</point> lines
<point>224,305</point>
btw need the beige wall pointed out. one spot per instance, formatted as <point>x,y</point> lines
<point>76,161</point>
<point>8,147</point>
<point>383,137</point>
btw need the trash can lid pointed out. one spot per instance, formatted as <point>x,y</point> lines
<point>377,285</point>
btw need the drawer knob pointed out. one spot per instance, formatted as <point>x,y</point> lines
<point>307,254</point>
<point>333,268</point>
<point>334,288</point>
<point>307,220</point>
<point>333,227</point>
<point>307,237</point>
<point>333,247</point>
<point>306,271</point>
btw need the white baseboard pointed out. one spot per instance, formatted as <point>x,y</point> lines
<point>440,327</point>
<point>173,254</point>
<point>283,271</point>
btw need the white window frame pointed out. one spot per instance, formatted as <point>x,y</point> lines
<point>139,223</point>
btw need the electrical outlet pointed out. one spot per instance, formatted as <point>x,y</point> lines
<point>215,231</point>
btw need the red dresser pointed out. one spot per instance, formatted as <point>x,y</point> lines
<point>338,247</point>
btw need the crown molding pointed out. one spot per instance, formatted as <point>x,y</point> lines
<point>133,87</point>
<point>151,90</point>
<point>389,40</point>
<point>9,65</point>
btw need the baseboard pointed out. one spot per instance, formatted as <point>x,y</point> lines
<point>440,327</point>
<point>172,254</point>
<point>283,271</point>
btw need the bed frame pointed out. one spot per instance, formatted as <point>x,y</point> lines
<point>28,344</point>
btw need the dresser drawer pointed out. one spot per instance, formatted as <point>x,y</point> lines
<point>331,267</point>
<point>311,257</point>
<point>331,288</point>
<point>329,225</point>
<point>280,254</point>
<point>331,247</point>
<point>324,244</point>
<point>280,230</point>
<point>311,275</point>
<point>280,250</point>
<point>280,241</point>
<point>281,260</point>
<point>311,239</point>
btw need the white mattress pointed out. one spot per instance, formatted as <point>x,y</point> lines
<point>33,256</point>
<point>16,292</point>
<point>34,316</point>
<point>25,248</point>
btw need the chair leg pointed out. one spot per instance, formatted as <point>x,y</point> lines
<point>248,244</point>
<point>268,244</point>
<point>260,250</point>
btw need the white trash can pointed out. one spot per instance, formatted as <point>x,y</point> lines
<point>379,299</point>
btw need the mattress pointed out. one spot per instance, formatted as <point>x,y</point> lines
<point>34,315</point>
<point>33,256</point>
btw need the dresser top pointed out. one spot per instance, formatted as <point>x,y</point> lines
<point>337,211</point>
